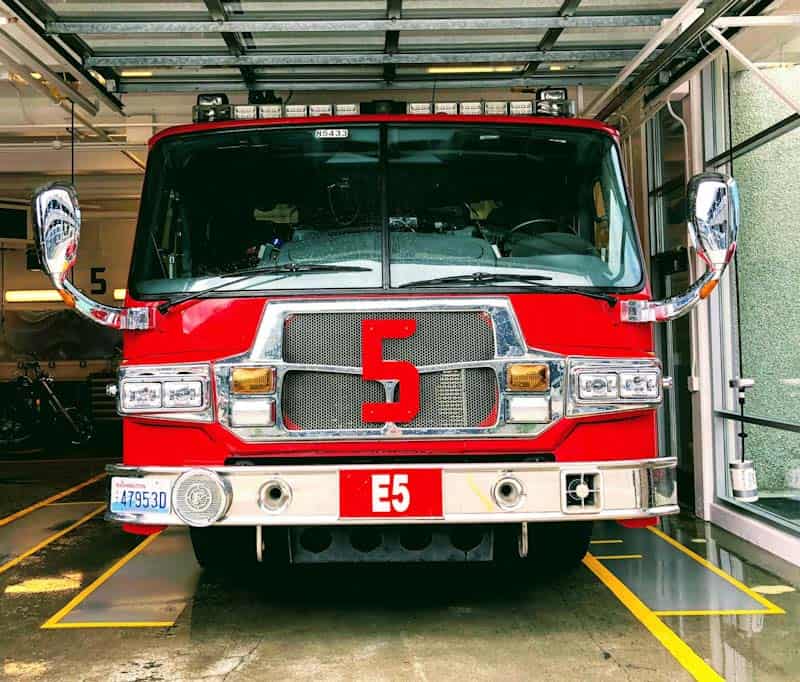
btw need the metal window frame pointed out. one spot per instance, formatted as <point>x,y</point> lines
<point>724,346</point>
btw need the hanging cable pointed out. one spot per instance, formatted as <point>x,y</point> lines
<point>72,145</point>
<point>682,123</point>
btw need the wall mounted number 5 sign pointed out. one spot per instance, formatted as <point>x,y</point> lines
<point>400,372</point>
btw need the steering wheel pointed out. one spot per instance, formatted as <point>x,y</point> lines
<point>529,223</point>
<point>533,221</point>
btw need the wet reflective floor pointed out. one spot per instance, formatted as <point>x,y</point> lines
<point>80,600</point>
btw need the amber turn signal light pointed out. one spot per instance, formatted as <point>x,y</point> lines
<point>251,380</point>
<point>527,378</point>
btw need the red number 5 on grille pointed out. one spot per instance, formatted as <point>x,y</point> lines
<point>375,368</point>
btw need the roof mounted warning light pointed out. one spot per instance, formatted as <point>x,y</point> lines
<point>554,102</point>
<point>212,107</point>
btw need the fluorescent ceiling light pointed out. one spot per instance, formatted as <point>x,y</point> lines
<point>32,296</point>
<point>474,69</point>
<point>98,76</point>
<point>135,73</point>
<point>36,75</point>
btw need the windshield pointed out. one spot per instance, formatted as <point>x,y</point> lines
<point>399,203</point>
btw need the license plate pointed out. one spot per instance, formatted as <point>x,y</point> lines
<point>139,495</point>
<point>370,493</point>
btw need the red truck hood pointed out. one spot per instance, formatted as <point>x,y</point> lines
<point>566,324</point>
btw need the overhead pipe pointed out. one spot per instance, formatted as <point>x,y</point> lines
<point>689,11</point>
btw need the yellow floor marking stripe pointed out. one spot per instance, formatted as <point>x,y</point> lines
<point>679,649</point>
<point>52,538</point>
<point>772,609</point>
<point>712,612</point>
<point>53,621</point>
<point>104,624</point>
<point>605,542</point>
<point>52,498</point>
<point>618,556</point>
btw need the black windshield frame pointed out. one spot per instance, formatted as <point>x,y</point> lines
<point>152,193</point>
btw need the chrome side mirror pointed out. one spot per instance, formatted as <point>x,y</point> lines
<point>713,221</point>
<point>57,230</point>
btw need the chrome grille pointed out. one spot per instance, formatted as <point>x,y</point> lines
<point>442,337</point>
<point>326,400</point>
<point>313,401</point>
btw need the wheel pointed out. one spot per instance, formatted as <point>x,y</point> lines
<point>231,550</point>
<point>556,547</point>
<point>14,435</point>
<point>559,546</point>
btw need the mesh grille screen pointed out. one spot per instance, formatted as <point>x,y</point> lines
<point>441,338</point>
<point>451,399</point>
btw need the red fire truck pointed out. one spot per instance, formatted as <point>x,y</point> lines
<point>416,336</point>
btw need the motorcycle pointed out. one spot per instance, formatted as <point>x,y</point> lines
<point>35,416</point>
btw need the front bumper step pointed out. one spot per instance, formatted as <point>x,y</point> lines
<point>480,492</point>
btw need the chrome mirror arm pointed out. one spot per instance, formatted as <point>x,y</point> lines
<point>713,222</point>
<point>57,219</point>
<point>138,319</point>
<point>670,308</point>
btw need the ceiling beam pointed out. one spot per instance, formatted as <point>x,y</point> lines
<point>97,27</point>
<point>149,85</point>
<point>234,42</point>
<point>391,42</point>
<point>567,9</point>
<point>363,58</point>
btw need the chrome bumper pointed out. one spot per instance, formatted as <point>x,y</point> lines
<point>630,489</point>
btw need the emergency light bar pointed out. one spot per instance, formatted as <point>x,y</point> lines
<point>549,102</point>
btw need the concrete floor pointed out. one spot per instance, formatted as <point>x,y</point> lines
<point>115,609</point>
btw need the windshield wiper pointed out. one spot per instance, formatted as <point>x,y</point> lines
<point>534,281</point>
<point>241,275</point>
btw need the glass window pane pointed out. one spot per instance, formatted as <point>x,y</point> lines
<point>299,198</point>
<point>513,200</point>
<point>768,257</point>
<point>776,456</point>
<point>673,148</point>
<point>672,205</point>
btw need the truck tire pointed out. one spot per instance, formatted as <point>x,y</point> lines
<point>231,550</point>
<point>558,546</point>
<point>224,550</point>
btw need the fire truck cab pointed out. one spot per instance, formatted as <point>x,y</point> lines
<point>419,336</point>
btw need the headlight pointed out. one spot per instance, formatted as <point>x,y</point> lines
<point>183,394</point>
<point>597,386</point>
<point>166,391</point>
<point>639,385</point>
<point>612,385</point>
<point>140,395</point>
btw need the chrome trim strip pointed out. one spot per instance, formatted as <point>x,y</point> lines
<point>466,492</point>
<point>509,341</point>
<point>509,346</point>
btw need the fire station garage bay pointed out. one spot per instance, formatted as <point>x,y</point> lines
<point>399,339</point>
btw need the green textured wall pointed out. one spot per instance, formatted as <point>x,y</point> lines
<point>769,272</point>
